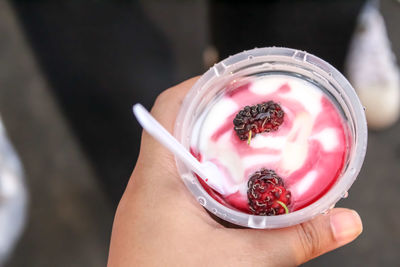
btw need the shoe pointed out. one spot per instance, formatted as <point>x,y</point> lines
<point>13,197</point>
<point>372,70</point>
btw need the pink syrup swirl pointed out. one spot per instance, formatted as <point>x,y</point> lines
<point>321,166</point>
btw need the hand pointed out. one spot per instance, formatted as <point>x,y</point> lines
<point>159,223</point>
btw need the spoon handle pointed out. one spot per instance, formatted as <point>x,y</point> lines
<point>156,130</point>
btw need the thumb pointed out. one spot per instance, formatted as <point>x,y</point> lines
<point>322,234</point>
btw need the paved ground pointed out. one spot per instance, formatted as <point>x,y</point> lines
<point>69,217</point>
<point>60,95</point>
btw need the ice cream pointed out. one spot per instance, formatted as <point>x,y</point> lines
<point>308,151</point>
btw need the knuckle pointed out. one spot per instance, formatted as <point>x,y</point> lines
<point>309,238</point>
<point>163,96</point>
<point>160,103</point>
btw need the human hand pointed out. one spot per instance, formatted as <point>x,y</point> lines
<point>159,223</point>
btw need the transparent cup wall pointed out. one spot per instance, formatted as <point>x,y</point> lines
<point>264,61</point>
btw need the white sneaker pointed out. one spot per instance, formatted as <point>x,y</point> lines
<point>13,197</point>
<point>371,68</point>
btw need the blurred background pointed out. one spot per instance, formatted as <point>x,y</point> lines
<point>71,70</point>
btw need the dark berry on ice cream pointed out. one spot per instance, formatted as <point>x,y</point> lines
<point>267,194</point>
<point>252,120</point>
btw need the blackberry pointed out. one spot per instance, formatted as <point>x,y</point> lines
<point>252,120</point>
<point>267,194</point>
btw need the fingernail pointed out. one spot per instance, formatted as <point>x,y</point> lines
<point>346,225</point>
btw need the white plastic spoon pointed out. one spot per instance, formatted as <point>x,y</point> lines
<point>206,170</point>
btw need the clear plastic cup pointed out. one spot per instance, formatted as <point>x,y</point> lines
<point>275,60</point>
